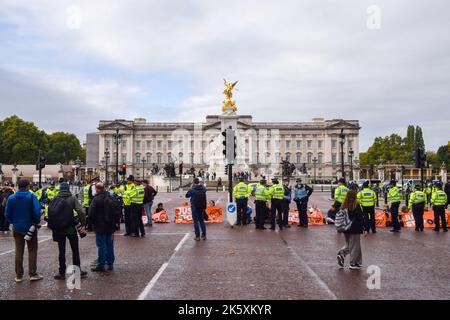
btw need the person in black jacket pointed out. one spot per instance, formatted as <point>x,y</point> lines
<point>447,191</point>
<point>102,213</point>
<point>353,235</point>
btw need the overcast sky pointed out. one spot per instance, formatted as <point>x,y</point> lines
<point>165,61</point>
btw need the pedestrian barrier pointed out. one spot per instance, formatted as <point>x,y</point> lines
<point>183,214</point>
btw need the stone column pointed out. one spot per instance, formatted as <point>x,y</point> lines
<point>381,172</point>
<point>444,173</point>
<point>14,174</point>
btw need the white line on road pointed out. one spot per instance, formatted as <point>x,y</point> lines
<point>10,251</point>
<point>155,278</point>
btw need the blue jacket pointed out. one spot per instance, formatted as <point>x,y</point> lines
<point>191,193</point>
<point>23,210</point>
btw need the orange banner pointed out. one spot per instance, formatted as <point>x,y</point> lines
<point>184,214</point>
<point>315,218</point>
<point>428,219</point>
<point>160,217</point>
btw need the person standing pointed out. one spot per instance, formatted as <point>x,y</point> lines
<point>367,198</point>
<point>87,197</point>
<point>128,193</point>
<point>197,195</point>
<point>394,200</point>
<point>417,202</point>
<point>277,195</point>
<point>353,235</point>
<point>149,196</point>
<point>137,206</point>
<point>68,206</point>
<point>302,192</point>
<point>261,195</point>
<point>4,224</point>
<point>241,192</point>
<point>23,211</point>
<point>286,202</point>
<point>447,192</point>
<point>439,201</point>
<point>102,213</point>
<point>340,193</point>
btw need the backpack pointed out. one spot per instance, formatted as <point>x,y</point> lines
<point>60,214</point>
<point>342,221</point>
<point>199,200</point>
<point>110,210</point>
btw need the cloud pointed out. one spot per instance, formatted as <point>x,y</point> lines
<point>301,58</point>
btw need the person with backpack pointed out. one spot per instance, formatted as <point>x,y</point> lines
<point>63,215</point>
<point>102,212</point>
<point>197,195</point>
<point>23,211</point>
<point>351,212</point>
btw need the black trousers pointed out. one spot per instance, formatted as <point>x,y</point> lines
<point>369,217</point>
<point>439,212</point>
<point>302,208</point>
<point>241,207</point>
<point>4,224</point>
<point>127,218</point>
<point>394,215</point>
<point>88,221</point>
<point>136,216</point>
<point>277,207</point>
<point>417,210</point>
<point>260,208</point>
<point>286,205</point>
<point>73,241</point>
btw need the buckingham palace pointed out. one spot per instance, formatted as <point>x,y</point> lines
<point>261,146</point>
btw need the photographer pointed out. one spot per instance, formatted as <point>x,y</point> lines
<point>64,224</point>
<point>24,211</point>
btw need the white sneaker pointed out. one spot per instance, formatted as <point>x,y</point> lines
<point>36,277</point>
<point>355,267</point>
<point>18,280</point>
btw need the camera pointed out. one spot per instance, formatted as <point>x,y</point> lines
<point>79,227</point>
<point>31,232</point>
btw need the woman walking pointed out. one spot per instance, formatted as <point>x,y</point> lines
<point>353,235</point>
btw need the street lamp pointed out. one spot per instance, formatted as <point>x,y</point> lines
<point>143,168</point>
<point>351,153</point>
<point>117,138</point>
<point>107,155</point>
<point>342,142</point>
<point>314,164</point>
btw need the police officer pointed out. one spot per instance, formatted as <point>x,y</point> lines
<point>439,202</point>
<point>367,198</point>
<point>241,192</point>
<point>394,200</point>
<point>87,197</point>
<point>428,191</point>
<point>137,205</point>
<point>286,202</point>
<point>302,192</point>
<point>128,192</point>
<point>417,202</point>
<point>340,193</point>
<point>261,196</point>
<point>276,192</point>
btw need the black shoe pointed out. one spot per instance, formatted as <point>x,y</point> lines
<point>98,269</point>
<point>272,228</point>
<point>445,230</point>
<point>110,268</point>
<point>263,228</point>
<point>394,230</point>
<point>437,230</point>
<point>374,231</point>
<point>143,235</point>
<point>299,226</point>
<point>340,260</point>
<point>135,235</point>
<point>287,226</point>
<point>126,235</point>
<point>60,276</point>
<point>83,274</point>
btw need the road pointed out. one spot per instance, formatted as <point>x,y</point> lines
<point>241,263</point>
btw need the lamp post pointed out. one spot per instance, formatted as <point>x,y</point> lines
<point>117,138</point>
<point>143,168</point>
<point>342,142</point>
<point>107,154</point>
<point>314,161</point>
<point>351,153</point>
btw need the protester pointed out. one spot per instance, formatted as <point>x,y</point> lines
<point>23,211</point>
<point>331,214</point>
<point>353,235</point>
<point>159,208</point>
<point>150,194</point>
<point>197,195</point>
<point>64,211</point>
<point>102,213</point>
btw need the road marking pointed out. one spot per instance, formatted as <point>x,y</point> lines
<point>155,278</point>
<point>315,275</point>
<point>10,251</point>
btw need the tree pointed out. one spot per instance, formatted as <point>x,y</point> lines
<point>443,156</point>
<point>63,147</point>
<point>418,139</point>
<point>21,141</point>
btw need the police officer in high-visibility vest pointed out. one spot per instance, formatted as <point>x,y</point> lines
<point>286,202</point>
<point>241,192</point>
<point>367,198</point>
<point>137,206</point>
<point>340,193</point>
<point>277,195</point>
<point>428,191</point>
<point>417,202</point>
<point>261,197</point>
<point>439,202</point>
<point>394,200</point>
<point>86,203</point>
<point>126,197</point>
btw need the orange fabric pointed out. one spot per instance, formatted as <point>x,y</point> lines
<point>314,219</point>
<point>184,214</point>
<point>214,214</point>
<point>160,217</point>
<point>380,219</point>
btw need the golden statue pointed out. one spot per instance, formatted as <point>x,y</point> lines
<point>228,103</point>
